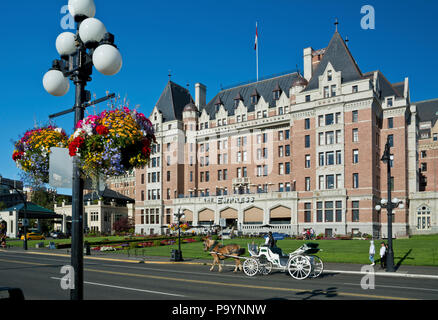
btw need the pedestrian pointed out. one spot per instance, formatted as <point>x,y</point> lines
<point>383,256</point>
<point>372,252</point>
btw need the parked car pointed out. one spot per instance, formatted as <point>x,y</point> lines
<point>33,236</point>
<point>58,235</point>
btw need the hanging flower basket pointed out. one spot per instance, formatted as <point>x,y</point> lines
<point>31,152</point>
<point>174,227</point>
<point>112,142</point>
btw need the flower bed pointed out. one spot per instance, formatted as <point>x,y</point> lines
<point>112,142</point>
<point>32,151</point>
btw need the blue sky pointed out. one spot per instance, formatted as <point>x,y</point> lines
<point>211,42</point>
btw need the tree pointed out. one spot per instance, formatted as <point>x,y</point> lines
<point>124,224</point>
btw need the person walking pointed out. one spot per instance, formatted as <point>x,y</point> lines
<point>372,252</point>
<point>383,256</point>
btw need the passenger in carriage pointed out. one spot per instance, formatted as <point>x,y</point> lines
<point>272,244</point>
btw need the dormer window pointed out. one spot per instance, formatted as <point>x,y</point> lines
<point>237,99</point>
<point>254,97</point>
<point>276,92</point>
<point>236,103</point>
<point>329,75</point>
<point>389,102</point>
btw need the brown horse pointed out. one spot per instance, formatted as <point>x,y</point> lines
<point>221,252</point>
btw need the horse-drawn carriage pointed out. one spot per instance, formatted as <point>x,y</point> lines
<point>300,264</point>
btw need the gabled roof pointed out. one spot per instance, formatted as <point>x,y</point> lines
<point>107,194</point>
<point>172,101</point>
<point>385,87</point>
<point>338,54</point>
<point>264,89</point>
<point>427,110</point>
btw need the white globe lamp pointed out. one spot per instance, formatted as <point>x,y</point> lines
<point>66,44</point>
<point>107,59</point>
<point>91,31</point>
<point>81,9</point>
<point>55,83</point>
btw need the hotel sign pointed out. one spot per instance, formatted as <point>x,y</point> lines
<point>225,200</point>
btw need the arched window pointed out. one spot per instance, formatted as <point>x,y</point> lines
<point>423,218</point>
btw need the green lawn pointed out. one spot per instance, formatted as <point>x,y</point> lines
<point>418,250</point>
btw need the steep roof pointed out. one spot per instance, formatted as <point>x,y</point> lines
<point>338,54</point>
<point>427,110</point>
<point>264,88</point>
<point>107,194</point>
<point>172,101</point>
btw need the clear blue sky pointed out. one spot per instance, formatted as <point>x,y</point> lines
<point>204,41</point>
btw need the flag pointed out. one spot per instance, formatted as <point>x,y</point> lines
<point>256,37</point>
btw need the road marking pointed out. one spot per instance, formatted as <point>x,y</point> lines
<point>127,288</point>
<point>396,287</point>
<point>368,296</point>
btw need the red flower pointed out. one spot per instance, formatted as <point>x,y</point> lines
<point>75,145</point>
<point>17,155</point>
<point>102,130</point>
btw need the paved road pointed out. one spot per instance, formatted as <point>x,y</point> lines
<point>39,277</point>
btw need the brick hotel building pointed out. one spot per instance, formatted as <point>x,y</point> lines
<point>293,151</point>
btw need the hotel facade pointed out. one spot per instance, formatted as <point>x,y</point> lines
<point>292,152</point>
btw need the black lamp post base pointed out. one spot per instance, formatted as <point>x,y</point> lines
<point>176,255</point>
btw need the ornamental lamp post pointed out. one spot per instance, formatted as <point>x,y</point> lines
<point>389,204</point>
<point>91,46</point>
<point>178,254</point>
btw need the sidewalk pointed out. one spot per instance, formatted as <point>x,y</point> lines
<point>427,272</point>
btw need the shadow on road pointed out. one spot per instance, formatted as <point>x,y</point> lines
<point>329,293</point>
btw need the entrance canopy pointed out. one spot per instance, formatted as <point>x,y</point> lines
<point>33,211</point>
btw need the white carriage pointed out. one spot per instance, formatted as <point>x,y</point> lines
<point>301,264</point>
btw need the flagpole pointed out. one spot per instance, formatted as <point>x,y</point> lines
<point>257,54</point>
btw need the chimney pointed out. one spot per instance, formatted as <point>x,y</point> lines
<point>307,53</point>
<point>200,95</point>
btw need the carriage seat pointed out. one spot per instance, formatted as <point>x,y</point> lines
<point>253,249</point>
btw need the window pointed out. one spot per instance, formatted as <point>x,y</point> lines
<point>337,117</point>
<point>265,170</point>
<point>355,135</point>
<point>253,99</point>
<point>326,92</point>
<point>330,158</point>
<point>288,187</point>
<point>338,136</point>
<point>330,181</point>
<point>286,134</point>
<point>389,102</point>
<point>321,159</point>
<point>191,176</point>
<point>142,178</point>
<point>355,89</point>
<point>328,211</point>
<point>280,187</point>
<point>307,141</point>
<point>280,151</point>
<point>287,168</point>
<point>321,138</point>
<point>354,116</point>
<point>321,182</point>
<point>355,156</point>
<point>329,137</point>
<point>320,120</point>
<point>219,175</point>
<point>424,154</point>
<point>319,211</point>
<point>435,137</point>
<point>329,119</point>
<point>329,75</point>
<point>307,124</point>
<point>338,181</point>
<point>281,168</point>
<point>287,150</point>
<point>338,157</point>
<point>423,166</point>
<point>355,211</point>
<point>355,180</point>
<point>391,140</point>
<point>280,110</point>
<point>423,218</point>
<point>308,98</point>
<point>307,212</point>
<point>338,214</point>
<point>390,123</point>
<point>307,161</point>
<point>333,90</point>
<point>259,171</point>
<point>307,184</point>
<point>277,94</point>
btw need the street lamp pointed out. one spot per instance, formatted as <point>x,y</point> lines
<point>389,204</point>
<point>177,254</point>
<point>91,45</point>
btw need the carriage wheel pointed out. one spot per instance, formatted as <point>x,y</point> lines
<point>251,267</point>
<point>299,267</point>
<point>317,266</point>
<point>266,268</point>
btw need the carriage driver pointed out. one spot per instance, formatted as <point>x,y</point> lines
<point>272,244</point>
